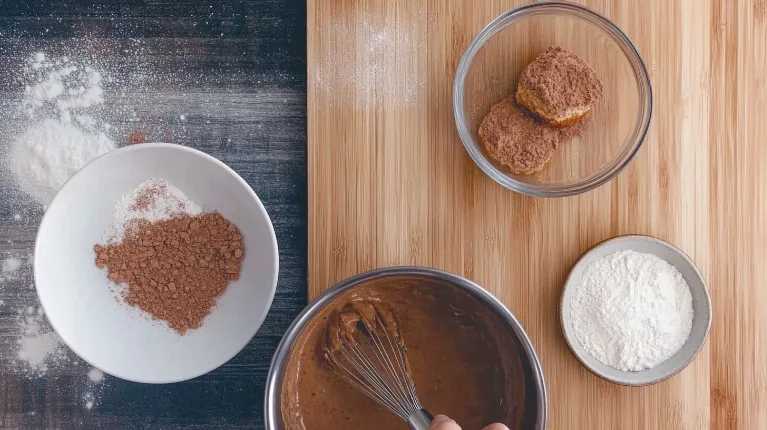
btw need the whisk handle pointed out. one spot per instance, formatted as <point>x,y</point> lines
<point>420,420</point>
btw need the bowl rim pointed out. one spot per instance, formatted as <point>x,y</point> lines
<point>271,413</point>
<point>569,284</point>
<point>150,146</point>
<point>615,167</point>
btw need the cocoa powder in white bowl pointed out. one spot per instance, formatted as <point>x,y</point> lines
<point>79,299</point>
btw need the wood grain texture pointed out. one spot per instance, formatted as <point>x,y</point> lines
<point>236,70</point>
<point>391,184</point>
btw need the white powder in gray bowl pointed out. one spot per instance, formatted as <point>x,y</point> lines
<point>631,310</point>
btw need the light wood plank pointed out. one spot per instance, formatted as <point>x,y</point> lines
<point>390,183</point>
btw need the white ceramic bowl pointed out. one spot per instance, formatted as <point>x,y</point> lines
<point>117,338</point>
<point>701,301</point>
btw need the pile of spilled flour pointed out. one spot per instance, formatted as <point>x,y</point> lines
<point>62,134</point>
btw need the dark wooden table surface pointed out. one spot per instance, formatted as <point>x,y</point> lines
<point>236,72</point>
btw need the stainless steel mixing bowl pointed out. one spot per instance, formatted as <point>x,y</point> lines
<point>536,389</point>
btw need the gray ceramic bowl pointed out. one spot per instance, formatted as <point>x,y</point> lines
<point>533,372</point>
<point>701,307</point>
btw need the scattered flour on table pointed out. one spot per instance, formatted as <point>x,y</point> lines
<point>375,61</point>
<point>95,375</point>
<point>89,400</point>
<point>61,134</point>
<point>94,388</point>
<point>631,310</point>
<point>33,347</point>
<point>10,268</point>
<point>11,265</point>
<point>64,86</point>
<point>39,347</point>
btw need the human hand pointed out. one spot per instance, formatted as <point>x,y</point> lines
<point>441,422</point>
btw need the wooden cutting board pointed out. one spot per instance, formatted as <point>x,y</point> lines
<point>391,184</point>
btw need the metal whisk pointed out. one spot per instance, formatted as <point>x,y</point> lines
<point>364,346</point>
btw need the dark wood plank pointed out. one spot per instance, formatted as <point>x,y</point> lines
<point>236,70</point>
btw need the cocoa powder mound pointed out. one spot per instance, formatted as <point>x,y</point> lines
<point>175,269</point>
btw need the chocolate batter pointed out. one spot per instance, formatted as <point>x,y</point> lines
<point>463,362</point>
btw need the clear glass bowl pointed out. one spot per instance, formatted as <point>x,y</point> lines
<point>489,70</point>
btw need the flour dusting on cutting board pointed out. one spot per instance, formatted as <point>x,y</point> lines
<point>371,61</point>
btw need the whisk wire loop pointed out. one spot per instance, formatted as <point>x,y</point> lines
<point>371,380</point>
<point>371,357</point>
